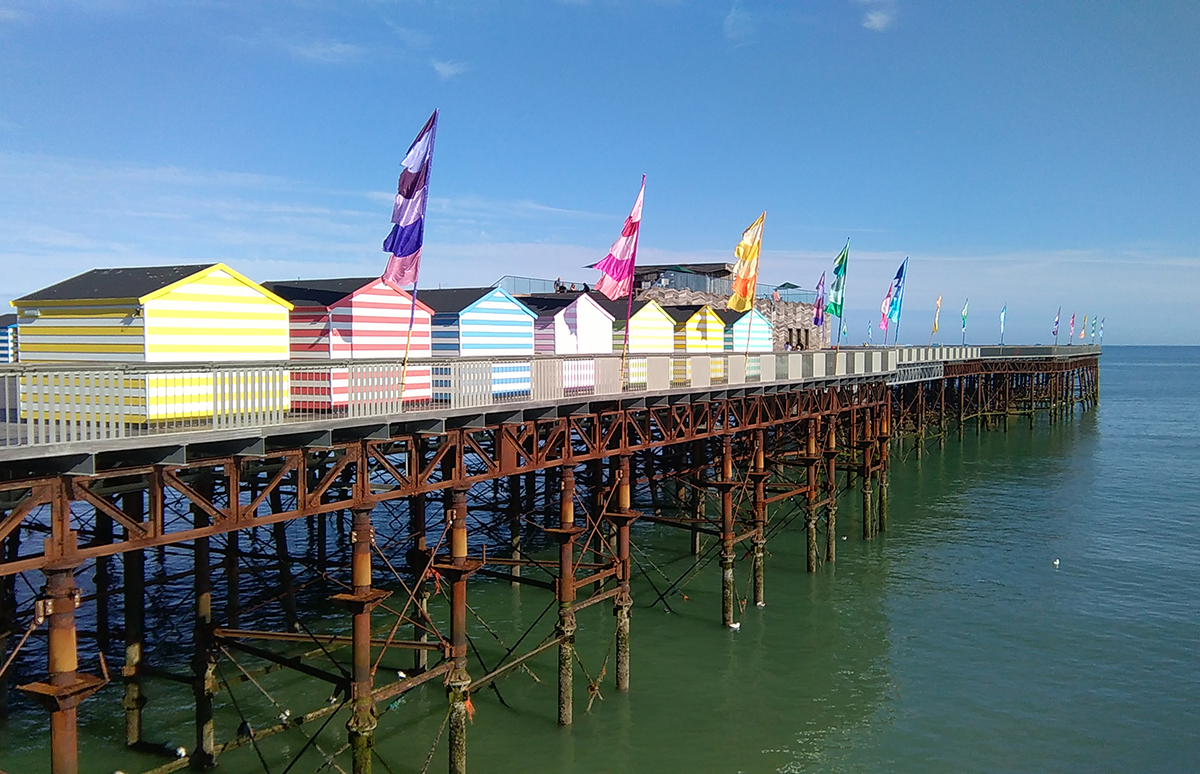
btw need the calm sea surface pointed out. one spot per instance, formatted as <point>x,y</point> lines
<point>950,643</point>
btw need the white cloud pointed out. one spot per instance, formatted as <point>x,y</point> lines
<point>878,20</point>
<point>738,26</point>
<point>447,70</point>
<point>10,15</point>
<point>325,51</point>
<point>410,37</point>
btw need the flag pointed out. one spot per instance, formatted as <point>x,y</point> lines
<point>1071,335</point>
<point>1101,330</point>
<point>837,290</point>
<point>819,305</point>
<point>885,307</point>
<point>964,314</point>
<point>1057,314</point>
<point>1083,328</point>
<point>745,274</point>
<point>408,213</point>
<point>936,314</point>
<point>897,292</point>
<point>1093,328</point>
<point>1003,312</point>
<point>618,265</point>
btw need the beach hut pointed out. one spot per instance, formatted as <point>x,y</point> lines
<point>698,330</point>
<point>8,338</point>
<point>651,331</point>
<point>572,324</point>
<point>481,322</point>
<point>161,314</point>
<point>356,318</point>
<point>746,331</point>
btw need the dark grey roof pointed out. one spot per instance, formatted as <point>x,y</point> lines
<point>618,308</point>
<point>7,320</point>
<point>683,313</point>
<point>131,282</point>
<point>318,292</point>
<point>729,316</point>
<point>549,303</point>
<point>451,299</point>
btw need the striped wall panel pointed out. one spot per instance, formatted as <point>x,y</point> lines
<point>82,334</point>
<point>8,344</point>
<point>701,334</point>
<point>215,317</point>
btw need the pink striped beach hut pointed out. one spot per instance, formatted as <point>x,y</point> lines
<point>355,318</point>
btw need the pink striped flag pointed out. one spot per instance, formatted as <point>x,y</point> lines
<point>619,263</point>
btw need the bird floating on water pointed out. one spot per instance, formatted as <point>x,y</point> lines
<point>735,625</point>
<point>1056,563</point>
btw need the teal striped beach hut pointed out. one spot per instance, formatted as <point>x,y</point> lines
<point>481,322</point>
<point>747,331</point>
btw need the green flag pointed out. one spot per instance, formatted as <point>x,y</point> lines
<point>965,313</point>
<point>837,290</point>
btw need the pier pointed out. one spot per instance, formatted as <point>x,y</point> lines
<point>103,463</point>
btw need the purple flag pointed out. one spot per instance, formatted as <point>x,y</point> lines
<point>819,305</point>
<point>408,215</point>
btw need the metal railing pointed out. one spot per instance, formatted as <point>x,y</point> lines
<point>64,403</point>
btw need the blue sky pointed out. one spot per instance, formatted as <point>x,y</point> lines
<point>1034,155</point>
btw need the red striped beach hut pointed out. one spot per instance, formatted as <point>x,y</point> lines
<point>355,318</point>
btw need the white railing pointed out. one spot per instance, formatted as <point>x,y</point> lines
<point>52,404</point>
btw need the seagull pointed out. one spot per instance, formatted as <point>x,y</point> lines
<point>1056,563</point>
<point>761,604</point>
<point>180,752</point>
<point>401,674</point>
<point>735,626</point>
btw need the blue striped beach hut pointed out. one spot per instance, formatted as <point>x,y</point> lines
<point>8,338</point>
<point>481,322</point>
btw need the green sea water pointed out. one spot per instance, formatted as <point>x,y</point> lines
<point>952,642</point>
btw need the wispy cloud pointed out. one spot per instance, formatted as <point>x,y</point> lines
<point>410,37</point>
<point>314,50</point>
<point>878,20</point>
<point>739,25</point>
<point>880,14</point>
<point>447,70</point>
<point>10,15</point>
<point>325,51</point>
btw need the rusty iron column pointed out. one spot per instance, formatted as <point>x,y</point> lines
<point>62,597</point>
<point>66,687</point>
<point>286,585</point>
<point>759,476</point>
<point>885,437</point>
<point>419,560</point>
<point>458,681</point>
<point>623,602</point>
<point>831,490</point>
<point>868,524</point>
<point>699,505</point>
<point>811,486</point>
<point>566,533</point>
<point>103,579</point>
<point>204,666</point>
<point>726,484</point>
<point>514,522</point>
<point>360,602</point>
<point>134,577</point>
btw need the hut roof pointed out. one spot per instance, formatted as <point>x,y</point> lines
<point>729,316</point>
<point>683,313</point>
<point>318,292</point>
<point>129,282</point>
<point>7,319</point>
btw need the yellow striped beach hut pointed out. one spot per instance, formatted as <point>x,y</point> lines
<point>160,314</point>
<point>651,331</point>
<point>698,330</point>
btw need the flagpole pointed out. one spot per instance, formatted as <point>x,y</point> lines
<point>632,277</point>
